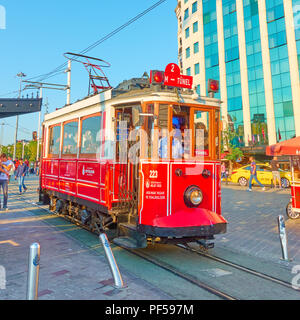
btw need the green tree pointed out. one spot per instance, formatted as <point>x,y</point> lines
<point>31,151</point>
<point>234,152</point>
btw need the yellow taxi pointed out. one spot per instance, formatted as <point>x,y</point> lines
<point>264,175</point>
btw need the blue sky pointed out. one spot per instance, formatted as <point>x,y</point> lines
<point>39,32</point>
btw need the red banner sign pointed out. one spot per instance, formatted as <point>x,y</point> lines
<point>173,78</point>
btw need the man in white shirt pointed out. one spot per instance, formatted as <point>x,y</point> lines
<point>5,167</point>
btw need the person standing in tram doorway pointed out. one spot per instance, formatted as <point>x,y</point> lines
<point>254,175</point>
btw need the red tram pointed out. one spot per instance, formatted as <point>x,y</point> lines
<point>139,164</point>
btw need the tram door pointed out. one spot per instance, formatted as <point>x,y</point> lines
<point>126,176</point>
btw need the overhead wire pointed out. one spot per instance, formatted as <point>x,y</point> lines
<point>98,42</point>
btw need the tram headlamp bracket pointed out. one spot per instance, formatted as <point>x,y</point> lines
<point>206,173</point>
<point>193,197</point>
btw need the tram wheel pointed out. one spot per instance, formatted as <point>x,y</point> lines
<point>291,213</point>
<point>243,182</point>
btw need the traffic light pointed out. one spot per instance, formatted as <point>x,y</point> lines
<point>157,77</point>
<point>213,86</point>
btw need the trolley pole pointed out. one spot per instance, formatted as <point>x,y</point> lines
<point>69,82</point>
<point>283,238</point>
<point>33,272</point>
<point>119,284</point>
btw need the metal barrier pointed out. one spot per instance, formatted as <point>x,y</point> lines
<point>119,284</point>
<point>283,238</point>
<point>33,272</point>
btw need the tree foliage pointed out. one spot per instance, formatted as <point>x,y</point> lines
<point>30,150</point>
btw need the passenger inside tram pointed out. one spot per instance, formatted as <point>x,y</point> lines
<point>177,149</point>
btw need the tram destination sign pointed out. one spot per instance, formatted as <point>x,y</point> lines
<point>173,78</point>
<point>14,107</point>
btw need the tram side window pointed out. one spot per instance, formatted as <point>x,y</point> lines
<point>70,138</point>
<point>54,140</point>
<point>90,135</point>
<point>201,126</point>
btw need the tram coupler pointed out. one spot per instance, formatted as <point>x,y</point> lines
<point>204,245</point>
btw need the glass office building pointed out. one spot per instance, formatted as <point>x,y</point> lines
<point>253,48</point>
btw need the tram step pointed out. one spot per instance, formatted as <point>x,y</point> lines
<point>127,232</point>
<point>128,243</point>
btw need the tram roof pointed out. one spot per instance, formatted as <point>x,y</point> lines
<point>115,97</point>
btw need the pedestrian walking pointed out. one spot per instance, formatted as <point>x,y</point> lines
<point>5,167</point>
<point>20,174</point>
<point>27,167</point>
<point>224,173</point>
<point>253,175</point>
<point>16,163</point>
<point>275,172</point>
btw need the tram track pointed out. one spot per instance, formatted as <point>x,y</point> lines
<point>237,266</point>
<point>182,275</point>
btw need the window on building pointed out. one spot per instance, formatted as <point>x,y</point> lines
<point>70,139</point>
<point>54,140</point>
<point>194,7</point>
<point>187,52</point>
<point>195,26</point>
<point>277,39</point>
<point>275,13</point>
<point>186,14</point>
<point>196,47</point>
<point>188,71</point>
<point>187,32</point>
<point>197,68</point>
<point>90,135</point>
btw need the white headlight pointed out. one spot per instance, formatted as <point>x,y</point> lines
<point>193,196</point>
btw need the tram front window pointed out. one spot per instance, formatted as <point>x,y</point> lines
<point>201,133</point>
<point>177,132</point>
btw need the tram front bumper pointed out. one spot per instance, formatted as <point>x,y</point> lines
<point>194,223</point>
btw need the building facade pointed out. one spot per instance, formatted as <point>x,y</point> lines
<point>253,48</point>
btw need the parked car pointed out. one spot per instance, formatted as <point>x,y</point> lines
<point>264,175</point>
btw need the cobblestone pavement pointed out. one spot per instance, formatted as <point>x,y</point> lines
<point>91,279</point>
<point>252,222</point>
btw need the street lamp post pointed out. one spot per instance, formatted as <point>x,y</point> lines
<point>39,129</point>
<point>20,75</point>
